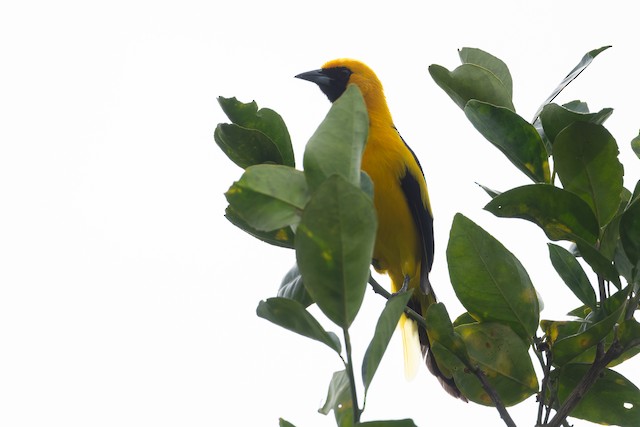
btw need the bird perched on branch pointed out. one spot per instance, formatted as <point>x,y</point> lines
<point>404,242</point>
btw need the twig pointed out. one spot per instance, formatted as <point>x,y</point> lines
<point>603,292</point>
<point>546,368</point>
<point>502,410</point>
<point>352,382</point>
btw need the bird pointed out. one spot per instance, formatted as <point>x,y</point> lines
<point>404,244</point>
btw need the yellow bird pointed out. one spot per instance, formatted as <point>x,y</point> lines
<point>404,243</point>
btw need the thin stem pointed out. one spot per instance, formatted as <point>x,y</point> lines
<point>352,382</point>
<point>546,368</point>
<point>603,291</point>
<point>552,400</point>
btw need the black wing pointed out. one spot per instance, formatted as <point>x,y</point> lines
<point>422,217</point>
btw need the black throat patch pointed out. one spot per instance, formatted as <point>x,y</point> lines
<point>338,78</point>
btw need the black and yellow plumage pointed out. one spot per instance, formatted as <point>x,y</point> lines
<point>404,244</point>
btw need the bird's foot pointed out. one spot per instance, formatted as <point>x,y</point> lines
<point>405,286</point>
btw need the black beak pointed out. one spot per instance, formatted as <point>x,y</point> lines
<point>331,81</point>
<point>318,77</point>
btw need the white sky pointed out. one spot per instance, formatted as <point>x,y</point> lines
<point>125,296</point>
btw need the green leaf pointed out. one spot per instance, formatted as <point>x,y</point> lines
<point>630,228</point>
<point>387,323</point>
<point>622,264</point>
<point>285,423</point>
<point>246,147</point>
<point>334,247</point>
<point>337,145</point>
<point>612,400</point>
<point>282,237</point>
<point>576,106</point>
<point>339,399</point>
<point>264,120</point>
<point>611,232</point>
<point>388,423</point>
<point>635,145</point>
<point>555,118</point>
<point>572,274</point>
<point>489,280</point>
<point>635,196</point>
<point>561,215</point>
<point>489,191</point>
<point>489,62</point>
<point>586,160</point>
<point>601,265</point>
<point>570,347</point>
<point>366,184</point>
<point>501,355</point>
<point>464,319</point>
<point>293,288</point>
<point>269,197</point>
<point>584,63</point>
<point>562,329</point>
<point>440,329</point>
<point>581,311</point>
<point>470,81</point>
<point>514,136</point>
<point>629,334</point>
<point>559,329</point>
<point>291,315</point>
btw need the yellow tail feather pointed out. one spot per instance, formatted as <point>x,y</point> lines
<point>410,346</point>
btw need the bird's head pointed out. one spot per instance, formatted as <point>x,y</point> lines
<point>335,75</point>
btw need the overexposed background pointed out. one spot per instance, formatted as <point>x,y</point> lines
<point>127,299</point>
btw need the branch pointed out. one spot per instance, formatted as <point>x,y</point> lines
<point>378,289</point>
<point>546,368</point>
<point>502,410</point>
<point>587,381</point>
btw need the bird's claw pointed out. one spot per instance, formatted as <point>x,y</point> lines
<point>405,286</point>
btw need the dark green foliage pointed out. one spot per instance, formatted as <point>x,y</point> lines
<point>555,118</point>
<point>291,315</point>
<point>586,161</point>
<point>269,197</point>
<point>481,76</point>
<point>489,280</point>
<point>264,126</point>
<point>503,357</point>
<point>334,247</point>
<point>339,400</point>
<point>337,146</point>
<point>293,288</point>
<point>512,135</point>
<point>559,213</point>
<point>613,399</point>
<point>590,209</point>
<point>572,274</point>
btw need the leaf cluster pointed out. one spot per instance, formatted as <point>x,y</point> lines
<point>589,209</point>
